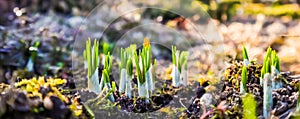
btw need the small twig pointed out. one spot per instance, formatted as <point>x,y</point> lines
<point>180,101</point>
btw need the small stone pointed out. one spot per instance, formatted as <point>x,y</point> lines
<point>48,104</point>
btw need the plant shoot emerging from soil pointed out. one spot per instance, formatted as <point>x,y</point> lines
<point>245,56</point>
<point>179,67</point>
<point>33,53</point>
<point>126,69</point>
<point>91,55</point>
<point>144,66</point>
<point>243,88</point>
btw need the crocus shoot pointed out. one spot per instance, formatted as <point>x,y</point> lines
<point>129,71</point>
<point>107,66</point>
<point>245,56</point>
<point>275,69</point>
<point>267,89</point>
<point>179,61</point>
<point>142,86</point>
<point>91,56</point>
<point>33,53</point>
<point>183,66</point>
<point>122,66</point>
<point>106,80</point>
<point>146,57</point>
<point>143,65</point>
<point>263,69</point>
<point>126,69</point>
<point>105,51</point>
<point>243,82</point>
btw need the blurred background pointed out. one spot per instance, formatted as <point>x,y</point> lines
<point>256,24</point>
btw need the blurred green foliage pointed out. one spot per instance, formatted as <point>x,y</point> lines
<point>224,10</point>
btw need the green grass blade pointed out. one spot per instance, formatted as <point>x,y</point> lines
<point>244,77</point>
<point>268,66</point>
<point>245,53</point>
<point>129,67</point>
<point>138,69</point>
<point>105,76</point>
<point>174,55</point>
<point>277,63</point>
<point>88,53</point>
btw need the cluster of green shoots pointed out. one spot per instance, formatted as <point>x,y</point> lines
<point>144,69</point>
<point>248,100</point>
<point>179,67</point>
<point>243,88</point>
<point>92,61</point>
<point>126,70</point>
<point>270,69</point>
<point>271,66</point>
<point>269,72</point>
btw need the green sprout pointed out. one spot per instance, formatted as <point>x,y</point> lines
<point>174,58</point>
<point>108,62</point>
<point>243,87</point>
<point>140,77</point>
<point>183,67</point>
<point>126,69</point>
<point>276,83</point>
<point>267,101</point>
<point>123,76</point>
<point>245,55</point>
<point>105,76</point>
<point>182,60</point>
<point>272,66</point>
<point>142,89</point>
<point>275,63</point>
<point>267,85</point>
<point>144,70</point>
<point>179,61</point>
<point>249,107</point>
<point>129,67</point>
<point>130,75</point>
<point>107,84</point>
<point>91,56</point>
<point>33,53</point>
<point>107,66</point>
<point>105,51</point>
<point>268,55</point>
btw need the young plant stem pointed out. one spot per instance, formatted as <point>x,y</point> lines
<point>33,53</point>
<point>276,82</point>
<point>107,85</point>
<point>267,101</point>
<point>142,90</point>
<point>175,69</point>
<point>179,67</point>
<point>183,66</point>
<point>243,88</point>
<point>129,76</point>
<point>263,70</point>
<point>123,71</point>
<point>267,87</point>
<point>91,56</point>
<point>245,55</point>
